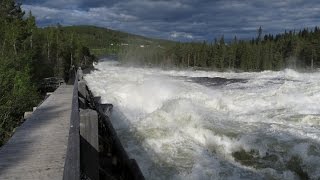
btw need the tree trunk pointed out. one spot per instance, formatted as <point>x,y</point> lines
<point>15,48</point>
<point>71,63</point>
<point>48,49</point>
<point>3,46</point>
<point>199,58</point>
<point>85,60</point>
<point>31,39</point>
<point>57,56</point>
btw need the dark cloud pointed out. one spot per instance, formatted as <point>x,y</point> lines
<point>181,19</point>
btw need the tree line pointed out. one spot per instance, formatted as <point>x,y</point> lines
<point>291,49</point>
<point>27,55</point>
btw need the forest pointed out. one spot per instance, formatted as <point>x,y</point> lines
<point>27,55</point>
<point>291,49</point>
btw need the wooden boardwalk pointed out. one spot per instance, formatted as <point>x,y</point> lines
<point>37,150</point>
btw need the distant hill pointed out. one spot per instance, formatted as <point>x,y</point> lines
<point>102,41</point>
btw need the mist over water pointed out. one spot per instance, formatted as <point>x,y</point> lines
<point>212,125</point>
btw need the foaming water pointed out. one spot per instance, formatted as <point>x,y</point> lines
<point>212,125</point>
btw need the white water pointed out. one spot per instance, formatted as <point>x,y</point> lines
<point>179,129</point>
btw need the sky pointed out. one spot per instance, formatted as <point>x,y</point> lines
<point>181,20</point>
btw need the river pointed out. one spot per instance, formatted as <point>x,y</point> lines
<point>214,125</point>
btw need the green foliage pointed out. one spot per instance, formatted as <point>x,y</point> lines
<point>57,50</point>
<point>27,55</point>
<point>288,50</point>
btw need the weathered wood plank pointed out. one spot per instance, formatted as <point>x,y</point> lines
<point>89,151</point>
<point>37,150</point>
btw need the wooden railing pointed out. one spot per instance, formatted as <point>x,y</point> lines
<point>94,149</point>
<point>72,163</point>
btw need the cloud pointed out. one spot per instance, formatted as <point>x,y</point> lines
<point>177,35</point>
<point>181,19</point>
<point>74,16</point>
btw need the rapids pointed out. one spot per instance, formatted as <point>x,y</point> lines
<point>214,125</point>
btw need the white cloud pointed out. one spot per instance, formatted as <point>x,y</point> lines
<point>110,14</point>
<point>181,35</point>
<point>70,16</point>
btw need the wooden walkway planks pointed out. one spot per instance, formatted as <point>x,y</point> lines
<point>37,150</point>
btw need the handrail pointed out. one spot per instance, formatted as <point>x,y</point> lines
<point>72,162</point>
<point>113,161</point>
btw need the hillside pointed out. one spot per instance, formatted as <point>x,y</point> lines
<point>102,41</point>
